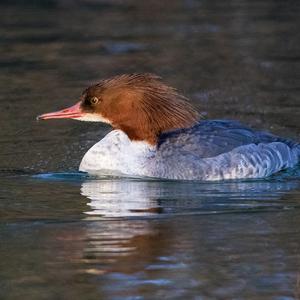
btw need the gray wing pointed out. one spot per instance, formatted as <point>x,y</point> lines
<point>215,137</point>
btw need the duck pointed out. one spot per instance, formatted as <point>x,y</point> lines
<point>157,133</point>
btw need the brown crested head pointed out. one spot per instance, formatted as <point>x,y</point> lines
<point>141,105</point>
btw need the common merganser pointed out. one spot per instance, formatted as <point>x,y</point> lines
<point>157,133</point>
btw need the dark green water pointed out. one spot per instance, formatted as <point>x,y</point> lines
<point>66,236</point>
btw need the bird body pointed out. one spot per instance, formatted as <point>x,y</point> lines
<point>157,133</point>
<point>210,150</point>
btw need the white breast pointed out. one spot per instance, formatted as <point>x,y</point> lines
<point>116,154</point>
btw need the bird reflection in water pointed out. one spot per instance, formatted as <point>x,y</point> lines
<point>141,198</point>
<point>130,242</point>
<point>122,198</point>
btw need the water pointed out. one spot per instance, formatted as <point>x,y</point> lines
<point>64,235</point>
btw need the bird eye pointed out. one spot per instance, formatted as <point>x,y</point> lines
<point>94,100</point>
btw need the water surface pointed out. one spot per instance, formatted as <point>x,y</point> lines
<point>64,235</point>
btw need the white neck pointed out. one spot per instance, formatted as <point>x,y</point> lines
<point>117,154</point>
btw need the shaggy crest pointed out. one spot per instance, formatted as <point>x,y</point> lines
<point>142,106</point>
